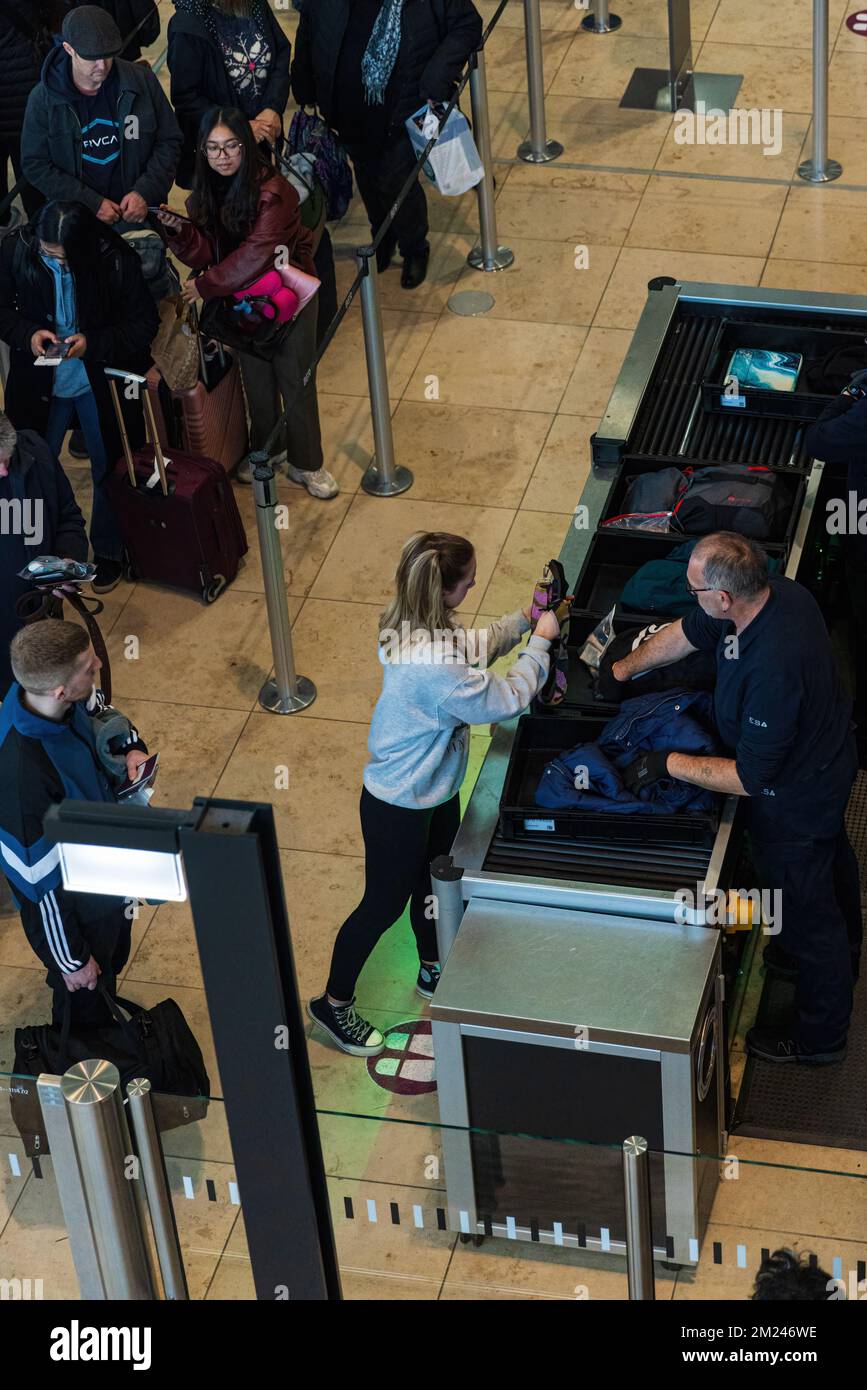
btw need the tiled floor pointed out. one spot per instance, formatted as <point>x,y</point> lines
<point>493,415</point>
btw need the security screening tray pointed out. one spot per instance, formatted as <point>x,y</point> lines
<point>580,696</point>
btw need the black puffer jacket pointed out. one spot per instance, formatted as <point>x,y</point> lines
<point>437,37</point>
<point>25,39</point>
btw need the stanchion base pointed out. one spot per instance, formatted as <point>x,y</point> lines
<point>501,259</point>
<point>553,150</point>
<point>589,23</point>
<point>271,699</point>
<point>815,174</point>
<point>377,486</point>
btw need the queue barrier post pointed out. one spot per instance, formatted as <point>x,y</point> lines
<point>639,1239</point>
<point>820,169</point>
<point>488,255</point>
<point>156,1186</point>
<point>384,477</point>
<point>538,149</point>
<point>601,21</point>
<point>287,692</point>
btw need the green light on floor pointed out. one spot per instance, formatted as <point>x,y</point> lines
<point>397,1040</point>
<point>387,1066</point>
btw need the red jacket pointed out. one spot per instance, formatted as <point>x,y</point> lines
<point>278,223</point>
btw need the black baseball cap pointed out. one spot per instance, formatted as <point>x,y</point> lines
<point>92,33</point>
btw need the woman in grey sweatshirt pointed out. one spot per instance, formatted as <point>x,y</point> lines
<point>436,683</point>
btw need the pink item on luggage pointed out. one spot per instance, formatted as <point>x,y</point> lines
<point>284,300</point>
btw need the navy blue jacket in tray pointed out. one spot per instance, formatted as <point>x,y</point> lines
<point>678,720</point>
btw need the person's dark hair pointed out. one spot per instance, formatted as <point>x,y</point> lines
<point>216,200</point>
<point>734,563</point>
<point>85,240</point>
<point>785,1277</point>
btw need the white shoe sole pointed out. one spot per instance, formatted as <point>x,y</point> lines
<point>321,496</point>
<point>351,1048</point>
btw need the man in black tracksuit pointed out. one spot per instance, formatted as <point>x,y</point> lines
<point>781,710</point>
<point>47,753</point>
<point>840,436</point>
<point>436,39</point>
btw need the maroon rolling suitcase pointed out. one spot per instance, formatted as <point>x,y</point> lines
<point>177,513</point>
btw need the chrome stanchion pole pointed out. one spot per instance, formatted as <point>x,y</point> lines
<point>820,169</point>
<point>384,477</point>
<point>639,1241</point>
<point>287,692</point>
<point>538,149</point>
<point>601,21</point>
<point>487,255</point>
<point>92,1097</point>
<point>156,1186</point>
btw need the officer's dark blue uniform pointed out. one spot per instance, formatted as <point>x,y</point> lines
<point>782,711</point>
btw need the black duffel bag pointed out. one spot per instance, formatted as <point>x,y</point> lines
<point>154,1043</point>
<point>743,497</point>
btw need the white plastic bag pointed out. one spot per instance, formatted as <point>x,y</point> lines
<point>453,164</point>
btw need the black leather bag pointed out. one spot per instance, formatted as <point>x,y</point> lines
<point>154,1043</point>
<point>245,331</point>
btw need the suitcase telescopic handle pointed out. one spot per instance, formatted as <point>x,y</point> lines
<point>113,374</point>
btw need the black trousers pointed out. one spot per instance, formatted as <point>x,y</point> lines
<point>812,863</point>
<point>380,174</point>
<point>10,149</point>
<point>327,296</point>
<point>109,939</point>
<point>399,845</point>
<point>855,552</point>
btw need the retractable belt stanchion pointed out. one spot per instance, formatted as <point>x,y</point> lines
<point>820,169</point>
<point>487,255</point>
<point>384,477</point>
<point>639,1240</point>
<point>601,21</point>
<point>538,149</point>
<point>287,692</point>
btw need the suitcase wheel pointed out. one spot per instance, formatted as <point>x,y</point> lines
<point>214,588</point>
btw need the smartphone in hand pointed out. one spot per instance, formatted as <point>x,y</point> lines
<point>53,355</point>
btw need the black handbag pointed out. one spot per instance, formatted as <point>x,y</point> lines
<point>247,328</point>
<point>154,1043</point>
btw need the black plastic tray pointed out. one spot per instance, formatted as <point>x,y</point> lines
<point>813,343</point>
<point>580,694</point>
<point>537,741</point>
<point>793,484</point>
<point>614,556</point>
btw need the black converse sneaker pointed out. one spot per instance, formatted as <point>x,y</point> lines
<point>349,1030</point>
<point>428,979</point>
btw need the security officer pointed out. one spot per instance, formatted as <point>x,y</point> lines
<point>840,436</point>
<point>781,710</point>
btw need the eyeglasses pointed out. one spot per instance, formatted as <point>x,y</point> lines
<point>691,590</point>
<point>212,150</point>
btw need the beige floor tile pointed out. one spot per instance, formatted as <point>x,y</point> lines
<point>814,275</point>
<point>650,18</point>
<point>306,529</point>
<point>564,464</point>
<point>742,22</point>
<point>736,160</point>
<point>627,289</point>
<point>572,205</point>
<point>729,1281</point>
<point>513,365</point>
<point>828,228</point>
<point>768,82</point>
<point>846,144</point>
<point>449,252</point>
<point>468,453</point>
<point>168,954</point>
<point>532,540</point>
<point>366,552</point>
<point>599,132</point>
<point>406,334</point>
<point>347,437</point>
<point>34,1244</point>
<point>771,1195</point>
<point>595,372</point>
<point>592,68</point>
<point>509,118</point>
<point>325,758</point>
<point>847,76</point>
<point>379,1251</point>
<point>548,284</point>
<point>336,646</point>
<point>232,1280</point>
<point>847,40</point>
<point>527,1269</point>
<point>190,653</point>
<point>506,58</point>
<point>700,215</point>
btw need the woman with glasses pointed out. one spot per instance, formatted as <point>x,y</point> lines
<point>72,290</point>
<point>243,216</point>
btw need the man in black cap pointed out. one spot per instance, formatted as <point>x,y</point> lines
<point>99,130</point>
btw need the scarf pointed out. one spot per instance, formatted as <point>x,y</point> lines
<point>380,55</point>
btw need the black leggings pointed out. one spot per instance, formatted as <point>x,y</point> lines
<point>399,845</point>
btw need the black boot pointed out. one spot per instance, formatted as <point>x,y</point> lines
<point>415,268</point>
<point>385,250</point>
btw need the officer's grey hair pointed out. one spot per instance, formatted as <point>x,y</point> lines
<point>733,563</point>
<point>8,436</point>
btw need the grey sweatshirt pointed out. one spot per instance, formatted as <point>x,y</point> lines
<point>432,691</point>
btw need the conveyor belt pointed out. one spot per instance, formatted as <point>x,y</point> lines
<point>672,408</point>
<point>660,866</point>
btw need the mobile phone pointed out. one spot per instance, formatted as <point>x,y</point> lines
<point>182,217</point>
<point>53,354</point>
